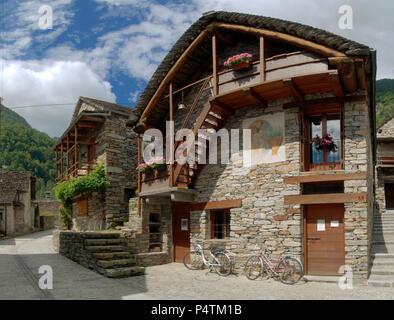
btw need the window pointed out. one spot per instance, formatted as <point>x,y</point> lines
<point>82,208</point>
<point>1,215</point>
<point>220,224</point>
<point>321,125</point>
<point>389,195</point>
<point>323,187</point>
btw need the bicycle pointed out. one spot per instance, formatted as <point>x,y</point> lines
<point>289,270</point>
<point>218,260</point>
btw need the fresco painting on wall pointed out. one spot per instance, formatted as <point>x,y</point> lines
<point>267,138</point>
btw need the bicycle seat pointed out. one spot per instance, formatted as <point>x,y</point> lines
<point>214,249</point>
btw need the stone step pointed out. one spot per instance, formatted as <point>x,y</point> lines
<point>101,242</point>
<point>381,256</point>
<point>381,281</point>
<point>384,228</point>
<point>112,255</point>
<point>381,270</point>
<point>382,249</point>
<point>102,235</point>
<point>122,272</point>
<point>388,243</point>
<point>116,263</point>
<point>383,262</point>
<point>105,248</point>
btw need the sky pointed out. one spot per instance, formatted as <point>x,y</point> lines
<point>108,49</point>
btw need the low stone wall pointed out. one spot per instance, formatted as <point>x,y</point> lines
<point>152,259</point>
<point>48,222</point>
<point>49,205</point>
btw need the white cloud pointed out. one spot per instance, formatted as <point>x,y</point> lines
<point>51,82</point>
<point>22,25</point>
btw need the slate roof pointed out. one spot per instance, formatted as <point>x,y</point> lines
<point>315,35</point>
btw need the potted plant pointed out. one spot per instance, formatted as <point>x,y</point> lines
<point>152,166</point>
<point>239,61</point>
<point>325,143</point>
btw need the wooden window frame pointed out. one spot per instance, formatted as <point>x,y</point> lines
<point>224,223</point>
<point>322,111</point>
<point>83,203</point>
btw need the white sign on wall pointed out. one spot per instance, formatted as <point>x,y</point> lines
<point>184,224</point>
<point>321,225</point>
<point>334,224</point>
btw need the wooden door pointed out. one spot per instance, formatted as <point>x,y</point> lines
<point>324,239</point>
<point>181,232</point>
<point>389,195</point>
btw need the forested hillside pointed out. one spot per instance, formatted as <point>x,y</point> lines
<point>384,99</point>
<point>25,148</point>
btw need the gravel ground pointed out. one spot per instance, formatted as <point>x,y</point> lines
<point>21,257</point>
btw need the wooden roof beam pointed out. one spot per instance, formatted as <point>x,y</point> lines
<point>336,84</point>
<point>170,75</point>
<point>86,125</point>
<point>306,44</point>
<point>254,98</point>
<point>298,95</point>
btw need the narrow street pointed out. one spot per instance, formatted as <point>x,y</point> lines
<point>20,259</point>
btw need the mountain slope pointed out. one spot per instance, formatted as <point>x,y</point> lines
<point>384,100</point>
<point>25,148</point>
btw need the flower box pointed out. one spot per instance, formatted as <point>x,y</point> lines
<point>325,143</point>
<point>239,61</point>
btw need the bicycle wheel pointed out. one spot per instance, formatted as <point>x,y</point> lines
<point>222,265</point>
<point>290,271</point>
<point>253,267</point>
<point>193,260</point>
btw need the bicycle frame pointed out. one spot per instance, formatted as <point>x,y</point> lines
<point>206,262</point>
<point>272,267</point>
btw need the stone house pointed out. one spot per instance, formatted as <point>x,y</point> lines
<point>385,166</point>
<point>278,190</point>
<point>19,213</point>
<point>98,134</point>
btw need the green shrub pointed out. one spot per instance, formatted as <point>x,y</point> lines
<point>65,217</point>
<point>46,214</point>
<point>66,190</point>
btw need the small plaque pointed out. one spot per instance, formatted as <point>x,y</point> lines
<point>184,224</point>
<point>334,224</point>
<point>321,225</point>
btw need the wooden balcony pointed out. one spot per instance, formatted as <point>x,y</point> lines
<point>385,160</point>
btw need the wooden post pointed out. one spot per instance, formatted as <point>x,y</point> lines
<point>61,161</point>
<point>214,66</point>
<point>139,173</point>
<point>75,151</point>
<point>262,60</point>
<point>67,158</point>
<point>171,146</point>
<point>324,132</point>
<point>57,168</point>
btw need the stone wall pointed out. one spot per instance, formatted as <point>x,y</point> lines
<point>48,222</point>
<point>116,148</point>
<point>264,219</point>
<point>49,205</point>
<point>95,219</point>
<point>138,237</point>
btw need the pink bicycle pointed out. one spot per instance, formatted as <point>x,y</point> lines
<point>287,269</point>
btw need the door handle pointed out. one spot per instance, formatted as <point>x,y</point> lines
<point>312,238</point>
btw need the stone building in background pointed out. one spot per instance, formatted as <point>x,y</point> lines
<point>98,134</point>
<point>19,213</point>
<point>385,166</point>
<point>278,191</point>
